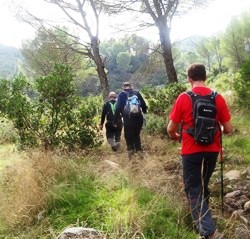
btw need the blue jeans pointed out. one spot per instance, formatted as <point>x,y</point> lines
<point>197,170</point>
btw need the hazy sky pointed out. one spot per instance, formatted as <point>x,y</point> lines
<point>205,22</point>
<point>211,20</point>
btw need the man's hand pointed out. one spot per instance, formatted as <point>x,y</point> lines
<point>176,137</point>
<point>172,130</point>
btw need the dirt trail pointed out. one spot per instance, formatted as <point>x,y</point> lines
<point>158,170</point>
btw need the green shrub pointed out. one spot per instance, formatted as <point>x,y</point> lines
<point>241,85</point>
<point>155,125</point>
<point>53,116</point>
<point>160,99</point>
<point>222,82</point>
<point>7,132</point>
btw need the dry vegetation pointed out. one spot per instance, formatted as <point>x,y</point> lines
<point>28,177</point>
<point>158,170</point>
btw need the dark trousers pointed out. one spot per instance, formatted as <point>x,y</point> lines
<point>113,134</point>
<point>197,170</point>
<point>132,136</point>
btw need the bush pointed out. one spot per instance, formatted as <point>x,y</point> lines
<point>160,99</point>
<point>241,85</point>
<point>155,125</point>
<point>7,132</point>
<point>54,116</point>
<point>222,82</point>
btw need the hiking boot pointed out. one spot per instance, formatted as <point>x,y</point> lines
<point>110,141</point>
<point>114,147</point>
<point>118,145</point>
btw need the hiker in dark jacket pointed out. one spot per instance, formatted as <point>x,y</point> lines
<point>113,133</point>
<point>132,124</point>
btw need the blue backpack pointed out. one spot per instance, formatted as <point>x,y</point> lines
<point>132,107</point>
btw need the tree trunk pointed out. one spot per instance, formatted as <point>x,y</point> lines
<point>164,32</point>
<point>100,67</point>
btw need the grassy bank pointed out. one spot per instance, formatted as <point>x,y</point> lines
<point>43,193</point>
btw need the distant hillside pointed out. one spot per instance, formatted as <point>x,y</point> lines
<point>9,58</point>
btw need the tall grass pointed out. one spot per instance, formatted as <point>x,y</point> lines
<point>25,184</point>
<point>42,193</point>
<point>237,145</point>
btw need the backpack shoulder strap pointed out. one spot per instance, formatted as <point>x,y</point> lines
<point>135,92</point>
<point>112,106</point>
<point>132,93</point>
<point>189,130</point>
<point>213,95</point>
<point>192,95</point>
<point>189,93</point>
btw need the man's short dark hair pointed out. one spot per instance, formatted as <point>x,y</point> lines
<point>197,72</point>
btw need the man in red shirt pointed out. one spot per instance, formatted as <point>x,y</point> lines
<point>198,161</point>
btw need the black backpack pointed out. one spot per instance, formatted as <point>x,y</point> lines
<point>204,113</point>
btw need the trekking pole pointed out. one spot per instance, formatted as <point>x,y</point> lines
<point>221,176</point>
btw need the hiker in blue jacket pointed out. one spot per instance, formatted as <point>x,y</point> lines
<point>133,122</point>
<point>113,133</point>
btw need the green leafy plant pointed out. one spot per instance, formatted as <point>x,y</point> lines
<point>7,132</point>
<point>160,99</point>
<point>49,113</point>
<point>155,125</point>
<point>241,85</point>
